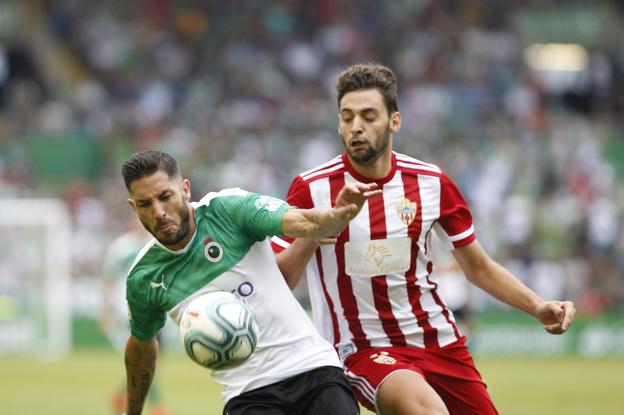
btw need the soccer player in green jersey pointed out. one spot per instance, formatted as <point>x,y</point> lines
<point>221,244</point>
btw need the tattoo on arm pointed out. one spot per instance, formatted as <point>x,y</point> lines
<point>146,380</point>
<point>139,381</point>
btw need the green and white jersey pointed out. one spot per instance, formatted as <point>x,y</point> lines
<point>230,252</point>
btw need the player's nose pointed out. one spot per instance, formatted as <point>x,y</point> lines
<point>357,126</point>
<point>159,210</point>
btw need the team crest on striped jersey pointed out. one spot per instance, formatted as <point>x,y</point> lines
<point>406,209</point>
<point>383,358</point>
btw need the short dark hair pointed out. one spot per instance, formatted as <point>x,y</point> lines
<point>369,76</point>
<point>147,162</point>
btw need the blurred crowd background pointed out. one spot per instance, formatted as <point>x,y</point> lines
<point>242,94</point>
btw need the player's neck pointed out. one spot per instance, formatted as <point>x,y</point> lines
<point>376,169</point>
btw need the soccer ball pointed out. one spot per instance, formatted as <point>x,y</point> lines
<point>218,330</point>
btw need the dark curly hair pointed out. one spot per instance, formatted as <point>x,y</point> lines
<point>369,76</point>
<point>147,162</point>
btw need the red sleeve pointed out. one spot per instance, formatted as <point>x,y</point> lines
<point>455,217</point>
<point>298,196</point>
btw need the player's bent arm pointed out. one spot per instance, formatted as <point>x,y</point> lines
<point>140,358</point>
<point>496,280</point>
<point>292,261</point>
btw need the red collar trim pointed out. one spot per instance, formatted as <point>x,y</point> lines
<point>361,178</point>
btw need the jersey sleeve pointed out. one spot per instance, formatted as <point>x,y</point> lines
<point>455,217</point>
<point>145,319</point>
<point>299,196</point>
<point>258,216</point>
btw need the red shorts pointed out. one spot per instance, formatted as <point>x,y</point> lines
<point>450,370</point>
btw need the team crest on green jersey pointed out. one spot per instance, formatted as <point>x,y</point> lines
<point>213,250</point>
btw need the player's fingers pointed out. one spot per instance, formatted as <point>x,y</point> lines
<point>547,312</point>
<point>350,188</point>
<point>558,309</point>
<point>371,193</point>
<point>328,241</point>
<point>347,211</point>
<point>352,193</point>
<point>569,311</point>
<point>554,328</point>
<point>555,311</point>
<point>366,186</point>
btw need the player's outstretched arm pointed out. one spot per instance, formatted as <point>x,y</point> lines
<point>140,359</point>
<point>293,260</point>
<point>319,222</point>
<point>496,280</point>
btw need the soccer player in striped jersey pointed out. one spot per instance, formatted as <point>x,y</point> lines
<point>374,293</point>
<point>221,244</point>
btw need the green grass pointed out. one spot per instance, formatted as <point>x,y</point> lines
<point>82,385</point>
<point>552,386</point>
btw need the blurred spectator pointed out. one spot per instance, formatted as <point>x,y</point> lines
<point>243,93</point>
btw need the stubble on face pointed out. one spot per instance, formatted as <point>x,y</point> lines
<point>372,152</point>
<point>175,237</point>
<point>161,204</point>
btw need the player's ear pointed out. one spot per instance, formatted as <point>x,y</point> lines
<point>395,122</point>
<point>131,203</point>
<point>186,189</point>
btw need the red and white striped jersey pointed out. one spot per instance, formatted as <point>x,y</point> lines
<point>376,287</point>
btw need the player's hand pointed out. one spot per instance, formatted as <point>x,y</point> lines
<point>356,194</point>
<point>348,204</point>
<point>556,316</point>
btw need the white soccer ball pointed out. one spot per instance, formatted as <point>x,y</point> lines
<point>218,330</point>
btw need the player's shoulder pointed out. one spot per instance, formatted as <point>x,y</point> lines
<point>410,164</point>
<point>334,166</point>
<point>232,205</point>
<point>146,259</point>
<point>221,203</point>
<point>234,192</point>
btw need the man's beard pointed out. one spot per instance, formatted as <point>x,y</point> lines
<point>182,233</point>
<point>372,153</point>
